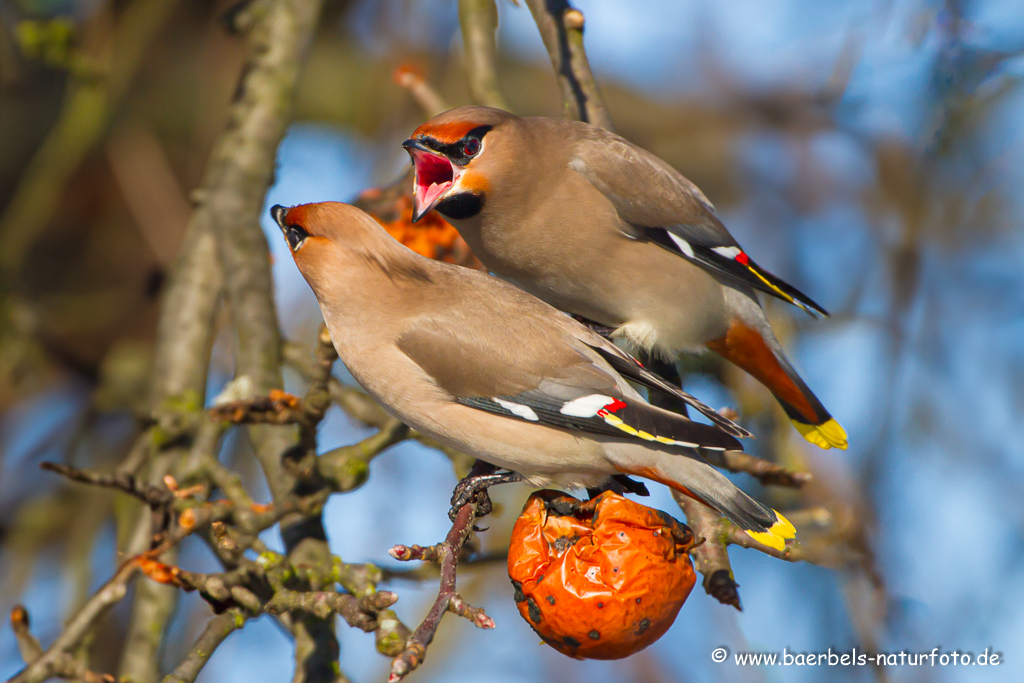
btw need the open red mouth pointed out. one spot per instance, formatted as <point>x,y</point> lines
<point>435,175</point>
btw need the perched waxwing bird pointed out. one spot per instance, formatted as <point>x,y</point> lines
<point>485,368</point>
<point>605,230</point>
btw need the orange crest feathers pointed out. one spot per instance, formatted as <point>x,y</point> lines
<point>445,132</point>
<point>299,215</point>
<point>316,218</point>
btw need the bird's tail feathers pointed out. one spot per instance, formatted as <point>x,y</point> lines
<point>685,471</point>
<point>758,353</point>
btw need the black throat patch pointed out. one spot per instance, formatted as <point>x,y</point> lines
<point>461,205</point>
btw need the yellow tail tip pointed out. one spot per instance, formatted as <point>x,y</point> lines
<point>783,527</point>
<point>776,536</point>
<point>826,435</point>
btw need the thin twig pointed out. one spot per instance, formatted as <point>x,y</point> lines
<point>765,471</point>
<point>150,495</point>
<point>216,632</point>
<point>430,572</point>
<point>112,592</point>
<point>64,666</point>
<point>28,645</point>
<point>412,79</point>
<point>406,553</point>
<point>357,612</point>
<point>346,468</point>
<point>318,396</point>
<point>159,500</point>
<point>446,554</point>
<point>276,408</point>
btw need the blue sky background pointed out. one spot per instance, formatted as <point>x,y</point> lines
<point>932,401</point>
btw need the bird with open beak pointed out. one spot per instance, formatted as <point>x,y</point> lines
<point>605,230</point>
<point>487,369</point>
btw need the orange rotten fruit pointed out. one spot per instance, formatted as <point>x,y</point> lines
<point>432,236</point>
<point>600,579</point>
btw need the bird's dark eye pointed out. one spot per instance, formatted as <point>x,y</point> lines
<point>471,147</point>
<point>296,235</point>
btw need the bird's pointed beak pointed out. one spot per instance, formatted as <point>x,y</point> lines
<point>279,212</point>
<point>434,176</point>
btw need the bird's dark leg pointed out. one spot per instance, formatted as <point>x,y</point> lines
<point>619,483</point>
<point>475,485</point>
<point>631,485</point>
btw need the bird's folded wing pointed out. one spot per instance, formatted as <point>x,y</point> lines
<point>658,204</point>
<point>544,375</point>
<point>633,370</point>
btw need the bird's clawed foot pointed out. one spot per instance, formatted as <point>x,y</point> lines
<point>473,488</point>
<point>620,484</point>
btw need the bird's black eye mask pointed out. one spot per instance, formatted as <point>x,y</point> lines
<point>462,151</point>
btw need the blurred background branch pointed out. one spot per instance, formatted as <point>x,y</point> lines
<point>478,20</point>
<point>561,27</point>
<point>97,82</point>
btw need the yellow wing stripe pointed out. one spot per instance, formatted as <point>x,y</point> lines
<point>632,431</point>
<point>775,289</point>
<point>618,423</point>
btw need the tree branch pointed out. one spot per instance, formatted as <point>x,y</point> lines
<point>48,664</point>
<point>413,80</point>
<point>65,666</point>
<point>479,22</point>
<point>561,28</point>
<point>711,558</point>
<point>446,554</point>
<point>241,170</point>
<point>765,471</point>
<point>216,632</point>
<point>152,496</point>
<point>228,204</point>
<point>92,100</point>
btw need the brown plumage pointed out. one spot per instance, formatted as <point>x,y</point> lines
<point>488,369</point>
<point>600,228</point>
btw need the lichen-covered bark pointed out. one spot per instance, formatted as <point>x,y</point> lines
<point>224,248</point>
